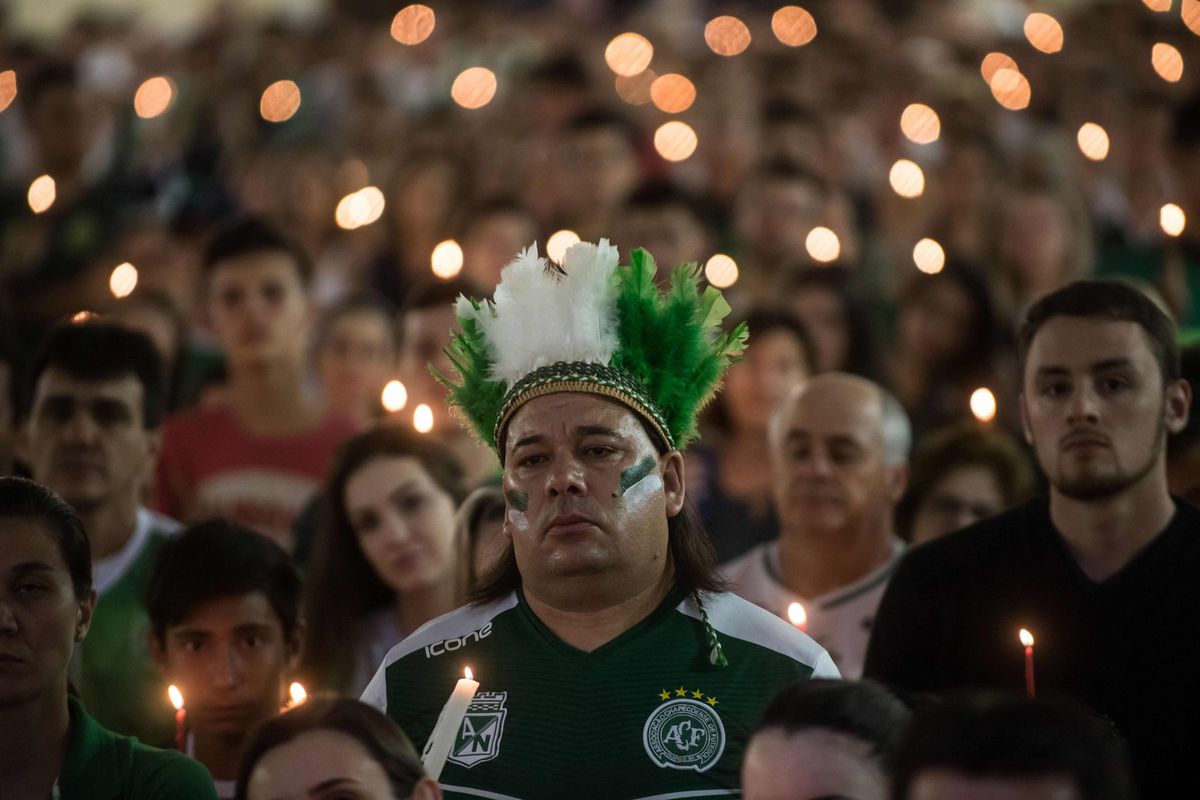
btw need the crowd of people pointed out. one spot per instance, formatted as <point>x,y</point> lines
<point>289,451</point>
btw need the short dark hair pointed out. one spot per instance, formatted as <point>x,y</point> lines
<point>693,559</point>
<point>216,559</point>
<point>101,351</point>
<point>1106,300</point>
<point>378,734</point>
<point>253,234</point>
<point>21,498</point>
<point>1007,736</point>
<point>363,303</point>
<point>861,355</point>
<point>864,710</point>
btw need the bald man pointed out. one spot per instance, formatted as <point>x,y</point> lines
<point>839,455</point>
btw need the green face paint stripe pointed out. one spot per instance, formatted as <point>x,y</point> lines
<point>517,499</point>
<point>635,473</point>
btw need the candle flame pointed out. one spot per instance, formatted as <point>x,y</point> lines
<point>298,693</point>
<point>176,696</point>
<point>468,674</point>
<point>423,418</point>
<point>395,396</point>
<point>797,615</point>
<point>1026,638</point>
<point>983,404</point>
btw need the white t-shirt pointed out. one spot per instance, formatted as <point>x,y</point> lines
<point>108,571</point>
<point>840,620</point>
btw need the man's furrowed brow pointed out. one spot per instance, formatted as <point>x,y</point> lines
<point>598,430</point>
<point>527,440</point>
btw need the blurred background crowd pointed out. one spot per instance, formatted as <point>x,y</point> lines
<point>881,188</point>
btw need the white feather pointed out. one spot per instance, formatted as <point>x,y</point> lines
<point>538,318</point>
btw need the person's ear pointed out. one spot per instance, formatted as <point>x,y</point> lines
<point>1179,401</point>
<point>897,481</point>
<point>295,645</point>
<point>674,488</point>
<point>426,789</point>
<point>22,443</point>
<point>83,616</point>
<point>1025,427</point>
<point>158,653</point>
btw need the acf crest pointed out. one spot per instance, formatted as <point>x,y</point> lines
<point>684,734</point>
<point>479,736</point>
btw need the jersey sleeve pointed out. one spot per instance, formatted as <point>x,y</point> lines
<point>375,695</point>
<point>825,668</point>
<point>166,775</point>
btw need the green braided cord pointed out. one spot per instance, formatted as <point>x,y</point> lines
<point>716,653</point>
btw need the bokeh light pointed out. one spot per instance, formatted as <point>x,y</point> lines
<point>559,243</point>
<point>823,245</point>
<point>994,62</point>
<point>1172,219</point>
<point>447,259</point>
<point>1011,89</point>
<point>280,101</point>
<point>726,35</point>
<point>1189,12</point>
<point>42,193</point>
<point>628,54</point>
<point>983,404</point>
<point>929,256</point>
<point>80,317</point>
<point>413,24</point>
<point>153,97</point>
<point>920,123</point>
<point>123,280</point>
<point>1044,32</point>
<point>673,93</point>
<point>721,271</point>
<point>675,140</point>
<point>359,208</point>
<point>635,89</point>
<point>1093,141</point>
<point>394,397</point>
<point>907,179</point>
<point>423,418</point>
<point>474,87</point>
<point>1167,62</point>
<point>793,26</point>
<point>8,88</point>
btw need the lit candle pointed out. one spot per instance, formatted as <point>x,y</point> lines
<point>297,695</point>
<point>1027,641</point>
<point>176,697</point>
<point>437,749</point>
<point>798,616</point>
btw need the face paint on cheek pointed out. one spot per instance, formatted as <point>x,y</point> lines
<point>518,520</point>
<point>640,482</point>
<point>517,499</point>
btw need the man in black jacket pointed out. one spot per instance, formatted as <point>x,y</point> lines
<point>1105,572</point>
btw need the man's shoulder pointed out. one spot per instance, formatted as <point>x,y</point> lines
<point>987,543</point>
<point>732,617</point>
<point>198,424</point>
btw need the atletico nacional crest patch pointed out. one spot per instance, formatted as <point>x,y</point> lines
<point>482,728</point>
<point>685,731</point>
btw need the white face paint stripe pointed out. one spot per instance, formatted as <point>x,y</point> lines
<point>518,520</point>
<point>643,490</point>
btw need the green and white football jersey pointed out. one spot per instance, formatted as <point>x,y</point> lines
<point>645,716</point>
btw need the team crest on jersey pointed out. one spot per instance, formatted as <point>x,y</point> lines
<point>684,731</point>
<point>482,728</point>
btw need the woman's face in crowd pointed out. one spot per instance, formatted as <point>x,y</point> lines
<point>774,363</point>
<point>824,318</point>
<point>936,322</point>
<point>355,359</point>
<point>404,522</point>
<point>40,616</point>
<point>963,496</point>
<point>319,765</point>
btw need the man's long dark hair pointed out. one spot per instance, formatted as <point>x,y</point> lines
<point>693,560</point>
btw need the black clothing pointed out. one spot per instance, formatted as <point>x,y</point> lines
<point>1128,646</point>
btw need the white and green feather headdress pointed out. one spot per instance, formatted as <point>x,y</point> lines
<point>591,326</point>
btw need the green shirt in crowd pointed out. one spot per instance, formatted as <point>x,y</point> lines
<point>645,715</point>
<point>113,670</point>
<point>100,765</point>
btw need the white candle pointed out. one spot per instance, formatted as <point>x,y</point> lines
<point>437,749</point>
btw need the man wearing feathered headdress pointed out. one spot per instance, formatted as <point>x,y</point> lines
<point>610,663</point>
